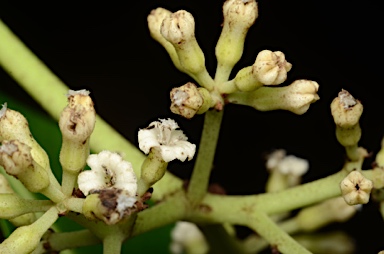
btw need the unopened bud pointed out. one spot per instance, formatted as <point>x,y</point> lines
<point>355,188</point>
<point>271,68</point>
<point>179,30</point>
<point>189,100</point>
<point>346,112</point>
<point>76,123</point>
<point>239,16</point>
<point>14,126</point>
<point>155,19</point>
<point>17,160</point>
<point>296,97</point>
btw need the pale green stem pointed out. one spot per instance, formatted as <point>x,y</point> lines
<point>74,204</point>
<point>222,73</point>
<point>353,152</point>
<point>204,79</point>
<point>112,244</point>
<point>221,209</point>
<point>45,221</point>
<point>198,184</point>
<point>70,240</point>
<point>49,91</point>
<point>168,211</point>
<point>53,193</point>
<point>219,240</point>
<point>277,237</point>
<point>68,182</point>
<point>255,244</point>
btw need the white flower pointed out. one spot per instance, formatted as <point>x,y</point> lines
<point>186,235</point>
<point>108,171</point>
<point>287,165</point>
<point>173,143</point>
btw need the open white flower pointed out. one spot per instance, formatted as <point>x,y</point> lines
<point>173,143</point>
<point>108,171</point>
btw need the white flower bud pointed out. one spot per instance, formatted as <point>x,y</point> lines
<point>14,126</point>
<point>296,97</point>
<point>271,68</point>
<point>155,19</point>
<point>346,112</point>
<point>108,171</point>
<point>179,30</point>
<point>17,160</point>
<point>189,100</point>
<point>356,189</point>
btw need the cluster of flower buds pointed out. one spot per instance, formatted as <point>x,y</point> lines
<point>175,32</point>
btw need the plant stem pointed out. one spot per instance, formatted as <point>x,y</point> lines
<point>198,184</point>
<point>112,244</point>
<point>168,211</point>
<point>219,240</point>
<point>70,240</point>
<point>277,237</point>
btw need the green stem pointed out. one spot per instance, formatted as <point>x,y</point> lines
<point>48,90</point>
<point>71,240</point>
<point>112,244</point>
<point>198,184</point>
<point>276,237</point>
<point>168,211</point>
<point>219,240</point>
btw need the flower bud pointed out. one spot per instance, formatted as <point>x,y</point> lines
<point>355,188</point>
<point>296,97</point>
<point>239,16</point>
<point>14,126</point>
<point>179,30</point>
<point>26,238</point>
<point>76,123</point>
<point>346,112</point>
<point>271,68</point>
<point>187,100</point>
<point>18,221</point>
<point>155,19</point>
<point>317,216</point>
<point>11,205</point>
<point>17,160</point>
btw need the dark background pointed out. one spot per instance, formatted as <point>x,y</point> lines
<point>106,48</point>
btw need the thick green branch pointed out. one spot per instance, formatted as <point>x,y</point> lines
<point>198,184</point>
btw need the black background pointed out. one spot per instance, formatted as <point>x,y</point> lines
<point>106,48</point>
